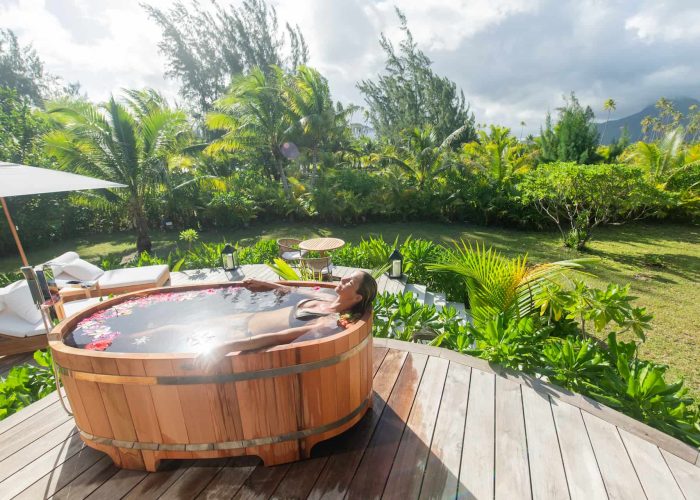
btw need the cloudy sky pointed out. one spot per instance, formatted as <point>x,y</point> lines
<point>513,58</point>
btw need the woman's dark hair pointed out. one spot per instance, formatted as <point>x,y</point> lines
<point>367,289</point>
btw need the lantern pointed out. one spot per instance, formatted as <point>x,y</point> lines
<point>396,264</point>
<point>229,257</point>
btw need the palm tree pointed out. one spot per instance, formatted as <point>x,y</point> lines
<point>496,284</point>
<point>498,154</point>
<point>313,116</point>
<point>254,118</point>
<point>129,142</point>
<point>422,156</point>
<point>522,128</point>
<point>609,105</point>
<point>666,159</point>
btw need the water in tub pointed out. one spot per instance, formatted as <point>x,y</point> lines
<point>192,321</point>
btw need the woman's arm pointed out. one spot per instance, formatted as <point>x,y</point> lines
<point>208,359</point>
<point>256,285</point>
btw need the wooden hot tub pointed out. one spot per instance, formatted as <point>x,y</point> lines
<point>275,403</point>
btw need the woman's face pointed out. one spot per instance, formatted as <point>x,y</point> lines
<point>347,288</point>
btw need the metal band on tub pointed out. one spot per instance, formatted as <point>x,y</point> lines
<point>210,379</point>
<point>227,445</point>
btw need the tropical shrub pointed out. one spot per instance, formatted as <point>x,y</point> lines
<point>25,384</point>
<point>579,198</point>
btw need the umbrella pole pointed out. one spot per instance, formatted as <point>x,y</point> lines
<point>14,232</point>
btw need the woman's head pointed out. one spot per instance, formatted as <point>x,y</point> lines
<point>358,291</point>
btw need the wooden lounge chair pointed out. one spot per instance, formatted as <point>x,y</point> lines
<point>69,269</point>
<point>289,249</point>
<point>21,326</point>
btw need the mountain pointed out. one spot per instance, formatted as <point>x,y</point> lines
<point>633,122</point>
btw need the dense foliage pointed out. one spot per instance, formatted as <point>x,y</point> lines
<point>25,384</point>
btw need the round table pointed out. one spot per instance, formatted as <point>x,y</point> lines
<point>321,245</point>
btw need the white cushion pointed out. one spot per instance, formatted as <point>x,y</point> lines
<point>14,326</point>
<point>148,275</point>
<point>18,299</point>
<point>58,263</point>
<point>292,255</point>
<point>82,270</point>
<point>75,306</point>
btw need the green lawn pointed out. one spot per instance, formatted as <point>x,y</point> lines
<point>661,261</point>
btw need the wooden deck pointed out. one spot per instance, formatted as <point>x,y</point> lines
<point>443,425</point>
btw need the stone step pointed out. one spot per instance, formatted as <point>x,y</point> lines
<point>418,290</point>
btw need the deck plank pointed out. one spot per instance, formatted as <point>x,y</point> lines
<point>88,481</point>
<point>582,473</point>
<point>655,475</point>
<point>476,474</point>
<point>49,460</point>
<point>36,449</point>
<point>300,478</point>
<point>374,468</point>
<point>618,473</point>
<point>118,485</point>
<point>407,471</point>
<point>512,467</point>
<point>261,483</point>
<point>21,416</point>
<point>194,479</point>
<point>442,470</point>
<point>230,478</point>
<point>155,483</point>
<point>687,475</point>
<point>56,478</point>
<point>347,449</point>
<point>546,466</point>
<point>32,429</point>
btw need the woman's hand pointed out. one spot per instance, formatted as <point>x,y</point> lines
<point>256,285</point>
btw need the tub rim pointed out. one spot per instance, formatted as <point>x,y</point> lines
<point>64,327</point>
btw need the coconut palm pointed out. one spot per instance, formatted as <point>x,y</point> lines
<point>609,105</point>
<point>128,141</point>
<point>314,118</point>
<point>421,156</point>
<point>496,284</point>
<point>665,159</point>
<point>255,119</point>
<point>498,154</point>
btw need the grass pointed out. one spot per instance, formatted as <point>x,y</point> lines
<point>661,261</point>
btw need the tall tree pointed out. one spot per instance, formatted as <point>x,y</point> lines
<point>254,117</point>
<point>207,47</point>
<point>574,137</point>
<point>128,141</point>
<point>410,95</point>
<point>21,69</point>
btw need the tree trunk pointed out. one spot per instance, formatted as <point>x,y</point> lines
<point>143,239</point>
<point>283,177</point>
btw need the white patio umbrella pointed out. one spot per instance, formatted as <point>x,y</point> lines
<point>18,180</point>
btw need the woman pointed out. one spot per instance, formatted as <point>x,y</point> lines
<point>317,315</point>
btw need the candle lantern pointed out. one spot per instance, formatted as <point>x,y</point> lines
<point>396,264</point>
<point>229,257</point>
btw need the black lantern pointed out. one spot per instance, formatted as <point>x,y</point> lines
<point>229,257</point>
<point>395,264</point>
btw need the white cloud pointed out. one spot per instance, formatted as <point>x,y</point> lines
<point>666,21</point>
